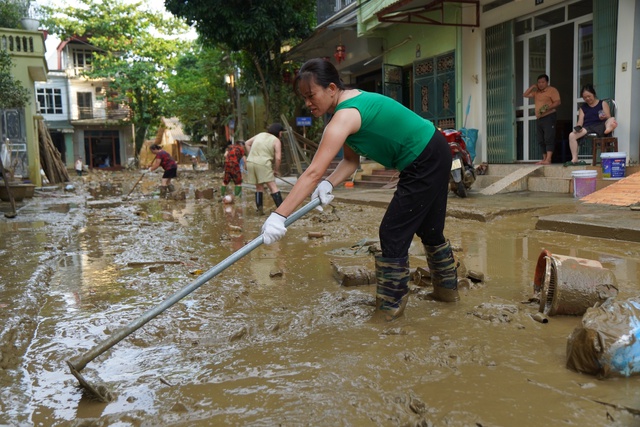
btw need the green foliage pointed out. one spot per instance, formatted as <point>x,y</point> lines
<point>258,29</point>
<point>11,12</point>
<point>136,50</point>
<point>198,95</point>
<point>14,95</point>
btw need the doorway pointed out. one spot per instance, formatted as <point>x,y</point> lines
<point>102,149</point>
<point>546,45</point>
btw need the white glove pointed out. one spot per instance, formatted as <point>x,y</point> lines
<point>323,192</point>
<point>273,228</point>
<point>146,171</point>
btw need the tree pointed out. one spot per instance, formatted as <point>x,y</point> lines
<point>258,29</point>
<point>197,94</point>
<point>136,50</point>
<point>11,12</point>
<point>14,95</point>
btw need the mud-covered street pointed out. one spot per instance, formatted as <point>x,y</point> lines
<point>275,339</point>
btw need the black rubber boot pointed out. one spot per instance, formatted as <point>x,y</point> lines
<point>164,190</point>
<point>277,198</point>
<point>259,208</point>
<point>392,292</point>
<point>444,272</point>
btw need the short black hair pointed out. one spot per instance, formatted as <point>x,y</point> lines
<point>544,76</point>
<point>275,129</point>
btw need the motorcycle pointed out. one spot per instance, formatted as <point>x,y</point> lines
<point>463,174</point>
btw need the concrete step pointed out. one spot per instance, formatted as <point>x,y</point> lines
<point>517,180</point>
<point>379,178</point>
<point>370,184</point>
<point>547,184</point>
<point>384,172</point>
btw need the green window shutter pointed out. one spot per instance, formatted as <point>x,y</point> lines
<point>500,110</point>
<point>392,81</point>
<point>605,29</point>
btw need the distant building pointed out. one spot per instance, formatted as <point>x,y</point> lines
<point>84,117</point>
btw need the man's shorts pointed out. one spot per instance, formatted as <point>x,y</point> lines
<point>259,174</point>
<point>232,174</point>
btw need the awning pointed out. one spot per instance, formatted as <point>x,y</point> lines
<point>59,125</point>
<point>430,12</point>
<point>325,34</point>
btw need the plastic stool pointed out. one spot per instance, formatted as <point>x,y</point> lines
<point>605,145</point>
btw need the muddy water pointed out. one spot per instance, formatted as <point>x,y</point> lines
<point>274,339</point>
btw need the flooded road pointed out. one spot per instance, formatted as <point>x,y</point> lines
<point>274,339</point>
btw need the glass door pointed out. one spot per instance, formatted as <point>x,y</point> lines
<point>584,71</point>
<point>533,53</point>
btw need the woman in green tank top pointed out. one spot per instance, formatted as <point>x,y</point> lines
<point>378,127</point>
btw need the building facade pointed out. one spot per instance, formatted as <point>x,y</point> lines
<point>19,127</point>
<point>83,115</point>
<point>466,63</point>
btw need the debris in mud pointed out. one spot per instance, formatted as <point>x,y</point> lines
<point>569,285</point>
<point>197,272</point>
<point>539,317</point>
<point>496,312</point>
<point>156,269</point>
<point>606,342</point>
<point>316,234</point>
<point>238,335</point>
<point>361,248</point>
<point>207,193</point>
<point>179,407</point>
<point>145,263</point>
<point>275,273</point>
<point>353,275</point>
<point>475,276</point>
<point>421,277</point>
<point>467,279</point>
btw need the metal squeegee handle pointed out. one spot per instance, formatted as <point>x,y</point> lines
<point>122,333</point>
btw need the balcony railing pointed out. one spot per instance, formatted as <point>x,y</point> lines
<point>21,42</point>
<point>120,112</point>
<point>327,8</point>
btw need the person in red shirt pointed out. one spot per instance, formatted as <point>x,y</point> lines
<point>232,158</point>
<point>170,167</point>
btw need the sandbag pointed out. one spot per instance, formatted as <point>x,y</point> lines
<point>607,343</point>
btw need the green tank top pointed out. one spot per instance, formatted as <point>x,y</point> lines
<point>390,133</point>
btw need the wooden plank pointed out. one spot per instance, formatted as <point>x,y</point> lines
<point>304,140</point>
<point>625,192</point>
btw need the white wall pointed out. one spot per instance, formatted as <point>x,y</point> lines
<point>628,82</point>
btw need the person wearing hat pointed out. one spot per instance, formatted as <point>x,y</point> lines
<point>263,164</point>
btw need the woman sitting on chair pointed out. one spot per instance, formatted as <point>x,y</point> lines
<point>594,116</point>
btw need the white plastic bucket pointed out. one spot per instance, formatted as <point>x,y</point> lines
<point>613,165</point>
<point>584,182</point>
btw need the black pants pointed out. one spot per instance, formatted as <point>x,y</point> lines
<point>419,205</point>
<point>546,132</point>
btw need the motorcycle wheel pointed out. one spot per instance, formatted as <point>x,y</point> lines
<point>461,190</point>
